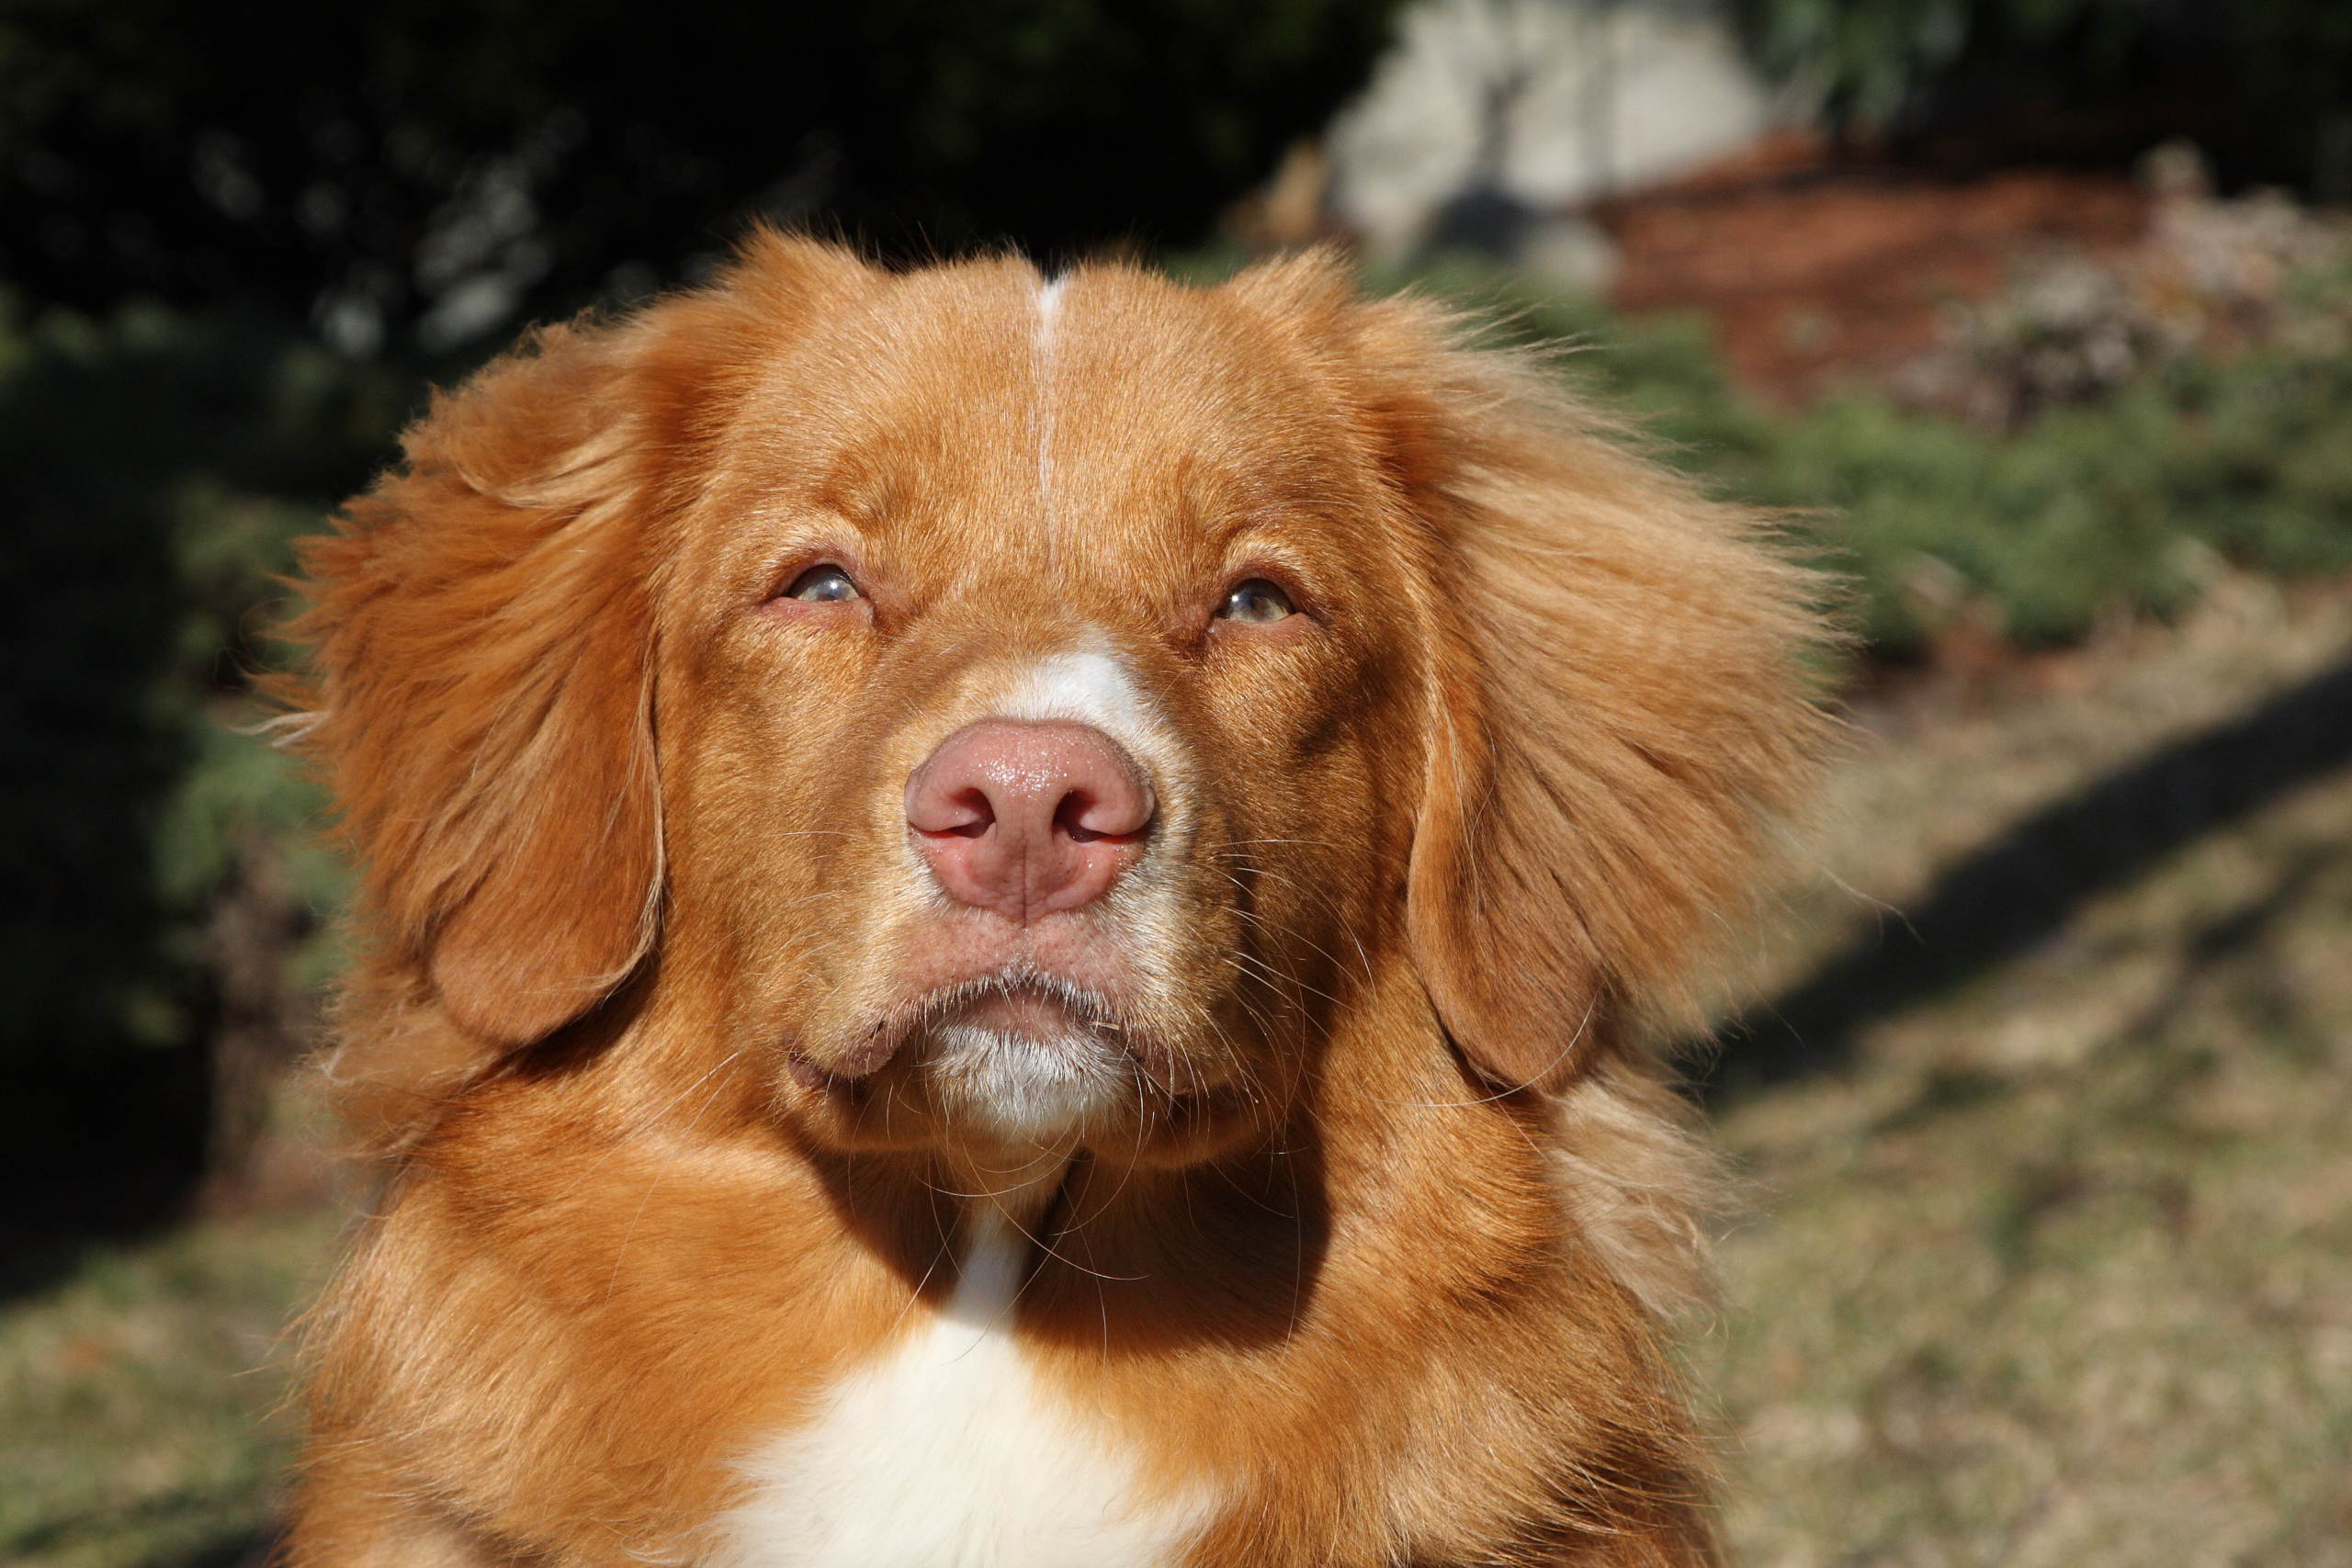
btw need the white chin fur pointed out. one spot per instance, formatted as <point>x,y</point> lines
<point>1013,1086</point>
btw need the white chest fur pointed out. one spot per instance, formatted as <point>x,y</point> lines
<point>945,1454</point>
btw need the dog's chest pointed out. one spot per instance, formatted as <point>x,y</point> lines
<point>947,1454</point>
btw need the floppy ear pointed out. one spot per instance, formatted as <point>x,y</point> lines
<point>481,643</point>
<point>1617,699</point>
<point>481,627</point>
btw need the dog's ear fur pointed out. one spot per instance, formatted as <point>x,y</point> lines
<point>1618,704</point>
<point>481,690</point>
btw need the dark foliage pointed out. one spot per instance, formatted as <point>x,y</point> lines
<point>423,163</point>
<point>152,467</point>
<point>2264,86</point>
<point>236,239</point>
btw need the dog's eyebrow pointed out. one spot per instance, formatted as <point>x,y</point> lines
<point>1268,518</point>
<point>856,481</point>
<point>1267,513</point>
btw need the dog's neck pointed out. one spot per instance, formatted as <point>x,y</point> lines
<point>1004,1195</point>
<point>1003,1201</point>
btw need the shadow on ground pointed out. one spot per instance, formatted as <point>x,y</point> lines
<point>256,1551</point>
<point>239,1548</point>
<point>2020,889</point>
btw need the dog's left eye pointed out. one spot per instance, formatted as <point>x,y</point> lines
<point>1256,602</point>
<point>822,585</point>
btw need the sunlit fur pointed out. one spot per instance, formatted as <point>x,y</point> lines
<point>1352,1216</point>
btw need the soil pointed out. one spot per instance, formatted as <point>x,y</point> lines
<point>1820,268</point>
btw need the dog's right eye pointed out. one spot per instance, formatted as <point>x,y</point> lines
<point>822,585</point>
<point>1256,602</point>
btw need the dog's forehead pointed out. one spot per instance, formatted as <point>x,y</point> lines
<point>1176,405</point>
<point>1104,416</point>
<point>925,379</point>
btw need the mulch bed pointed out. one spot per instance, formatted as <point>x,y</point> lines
<point>1818,268</point>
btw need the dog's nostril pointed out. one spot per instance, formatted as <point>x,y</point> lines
<point>947,812</point>
<point>1071,817</point>
<point>979,813</point>
<point>1122,807</point>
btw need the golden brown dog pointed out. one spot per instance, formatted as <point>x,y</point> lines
<point>1006,921</point>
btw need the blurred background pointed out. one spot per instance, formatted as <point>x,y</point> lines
<point>2035,314</point>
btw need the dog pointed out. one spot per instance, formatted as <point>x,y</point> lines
<point>1015,920</point>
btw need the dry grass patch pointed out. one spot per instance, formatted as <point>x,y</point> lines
<point>2055,1265</point>
<point>140,1400</point>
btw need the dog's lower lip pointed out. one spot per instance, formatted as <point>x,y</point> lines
<point>1023,1010</point>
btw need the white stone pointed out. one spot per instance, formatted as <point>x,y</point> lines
<point>1609,96</point>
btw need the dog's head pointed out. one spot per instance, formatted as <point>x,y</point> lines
<point>1017,712</point>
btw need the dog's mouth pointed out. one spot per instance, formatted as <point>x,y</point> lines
<point>1030,1060</point>
<point>1033,1008</point>
<point>1019,1055</point>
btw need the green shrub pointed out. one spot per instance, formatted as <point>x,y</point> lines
<point>2115,507</point>
<point>154,468</point>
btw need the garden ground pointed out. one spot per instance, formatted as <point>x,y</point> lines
<point>2047,1249</point>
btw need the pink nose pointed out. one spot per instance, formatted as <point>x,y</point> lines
<point>1028,818</point>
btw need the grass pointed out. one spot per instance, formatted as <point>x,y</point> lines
<point>141,1417</point>
<point>2112,508</point>
<point>2058,1267</point>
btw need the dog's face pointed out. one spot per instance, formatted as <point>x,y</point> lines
<point>845,764</point>
<point>1012,713</point>
<point>1033,678</point>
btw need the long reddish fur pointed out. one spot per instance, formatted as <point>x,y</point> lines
<point>1422,1316</point>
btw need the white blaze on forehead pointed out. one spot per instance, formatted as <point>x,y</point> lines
<point>1049,306</point>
